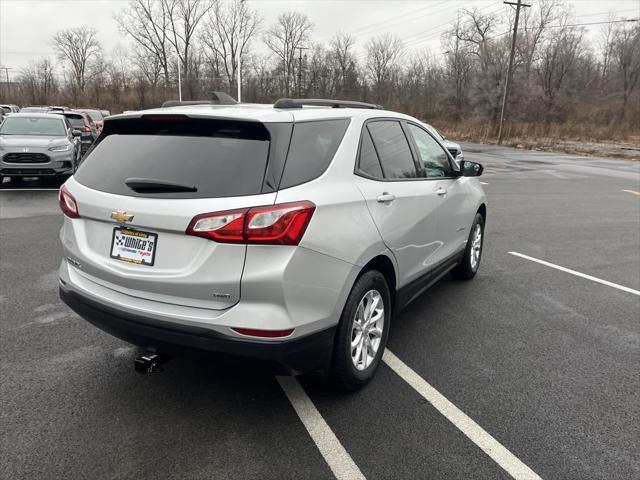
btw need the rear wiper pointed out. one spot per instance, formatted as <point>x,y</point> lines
<point>157,186</point>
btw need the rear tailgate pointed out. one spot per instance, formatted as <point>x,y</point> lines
<point>134,241</point>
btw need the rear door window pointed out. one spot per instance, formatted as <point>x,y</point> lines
<point>220,158</point>
<point>393,149</point>
<point>369,164</point>
<point>313,145</point>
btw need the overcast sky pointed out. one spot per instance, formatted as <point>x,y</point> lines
<point>26,26</point>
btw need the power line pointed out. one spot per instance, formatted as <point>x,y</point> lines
<point>388,21</point>
<point>426,36</point>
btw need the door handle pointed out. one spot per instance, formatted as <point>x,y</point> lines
<point>441,192</point>
<point>386,197</point>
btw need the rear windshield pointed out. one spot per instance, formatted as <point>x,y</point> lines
<point>75,120</point>
<point>34,110</point>
<point>49,127</point>
<point>218,158</point>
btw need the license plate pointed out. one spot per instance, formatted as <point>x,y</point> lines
<point>134,246</point>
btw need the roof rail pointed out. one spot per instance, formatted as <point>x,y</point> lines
<point>319,102</point>
<point>217,98</point>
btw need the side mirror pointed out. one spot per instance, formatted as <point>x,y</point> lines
<point>470,169</point>
<point>76,133</point>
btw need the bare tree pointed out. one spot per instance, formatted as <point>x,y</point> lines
<point>290,32</point>
<point>79,46</point>
<point>342,47</point>
<point>458,64</point>
<point>38,83</point>
<point>383,55</point>
<point>228,31</point>
<point>626,55</point>
<point>558,58</point>
<point>185,15</point>
<point>534,25</point>
<point>148,22</point>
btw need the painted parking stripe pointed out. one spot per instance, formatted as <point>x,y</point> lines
<point>474,432</point>
<point>577,274</point>
<point>633,192</point>
<point>338,459</point>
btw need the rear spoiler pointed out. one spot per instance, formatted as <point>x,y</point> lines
<point>217,98</point>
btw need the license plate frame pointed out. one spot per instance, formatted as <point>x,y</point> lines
<point>137,254</point>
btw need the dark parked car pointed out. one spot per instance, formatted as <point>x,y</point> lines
<point>80,121</point>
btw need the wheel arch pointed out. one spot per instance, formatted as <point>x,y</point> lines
<point>386,267</point>
<point>482,210</point>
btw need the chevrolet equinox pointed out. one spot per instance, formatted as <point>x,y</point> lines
<point>288,233</point>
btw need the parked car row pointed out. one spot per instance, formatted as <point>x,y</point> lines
<point>38,141</point>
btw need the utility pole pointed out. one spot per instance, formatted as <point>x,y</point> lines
<point>239,81</point>
<point>179,83</point>
<point>507,84</point>
<point>6,72</point>
<point>300,70</point>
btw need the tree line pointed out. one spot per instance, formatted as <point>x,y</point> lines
<point>563,81</point>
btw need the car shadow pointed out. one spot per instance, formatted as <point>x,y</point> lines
<point>26,183</point>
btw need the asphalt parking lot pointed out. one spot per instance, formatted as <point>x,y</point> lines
<point>543,361</point>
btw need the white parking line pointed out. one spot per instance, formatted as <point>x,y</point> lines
<point>339,461</point>
<point>577,274</point>
<point>503,457</point>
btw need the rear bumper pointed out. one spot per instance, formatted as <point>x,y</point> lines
<point>302,354</point>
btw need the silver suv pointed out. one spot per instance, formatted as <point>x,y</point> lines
<point>286,232</point>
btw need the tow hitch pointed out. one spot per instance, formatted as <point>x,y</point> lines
<point>150,363</point>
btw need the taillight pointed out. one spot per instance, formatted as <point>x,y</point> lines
<point>282,224</point>
<point>67,203</point>
<point>252,332</point>
<point>224,227</point>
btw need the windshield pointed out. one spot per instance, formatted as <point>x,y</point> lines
<point>435,133</point>
<point>49,127</point>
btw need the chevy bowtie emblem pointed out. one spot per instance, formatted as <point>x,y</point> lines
<point>121,216</point>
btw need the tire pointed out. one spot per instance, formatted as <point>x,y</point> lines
<point>370,286</point>
<point>468,266</point>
